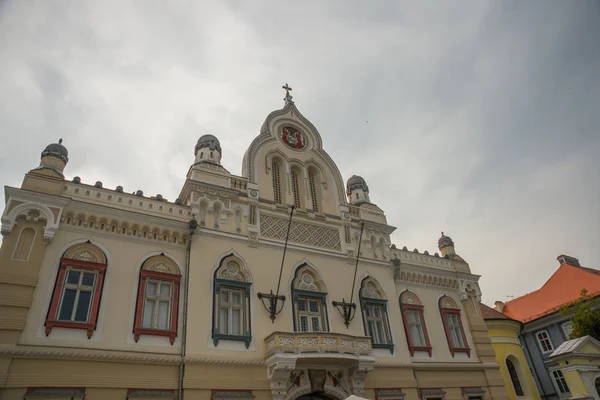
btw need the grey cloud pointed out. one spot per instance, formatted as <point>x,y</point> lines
<point>482,116</point>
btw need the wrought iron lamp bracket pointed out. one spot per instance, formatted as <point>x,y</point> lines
<point>272,300</point>
<point>346,310</point>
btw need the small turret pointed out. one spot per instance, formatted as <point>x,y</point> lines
<point>55,156</point>
<point>357,190</point>
<point>446,246</point>
<point>208,149</point>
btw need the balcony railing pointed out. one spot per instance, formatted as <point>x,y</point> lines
<point>317,342</point>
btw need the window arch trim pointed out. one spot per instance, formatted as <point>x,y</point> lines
<point>67,264</point>
<point>301,296</point>
<point>407,308</point>
<point>150,271</point>
<point>241,282</point>
<point>375,303</point>
<point>449,310</point>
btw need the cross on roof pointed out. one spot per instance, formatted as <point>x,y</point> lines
<point>288,97</point>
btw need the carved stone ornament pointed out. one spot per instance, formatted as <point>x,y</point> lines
<point>293,137</point>
<point>231,272</point>
<point>317,379</point>
<point>371,290</point>
<point>86,252</point>
<point>309,280</point>
<point>161,264</point>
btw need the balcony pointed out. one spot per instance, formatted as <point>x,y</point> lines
<point>317,342</point>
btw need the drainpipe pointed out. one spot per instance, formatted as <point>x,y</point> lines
<point>192,226</point>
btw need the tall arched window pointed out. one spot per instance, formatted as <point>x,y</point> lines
<point>414,323</point>
<point>78,288</point>
<point>514,377</point>
<point>158,298</point>
<point>375,317</point>
<point>231,316</point>
<point>313,190</point>
<point>295,174</point>
<point>455,333</point>
<point>309,301</point>
<point>276,175</point>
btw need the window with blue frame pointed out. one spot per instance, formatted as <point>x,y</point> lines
<point>309,297</point>
<point>375,317</point>
<point>231,315</point>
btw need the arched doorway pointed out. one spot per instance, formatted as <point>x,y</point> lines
<point>316,396</point>
<point>598,385</point>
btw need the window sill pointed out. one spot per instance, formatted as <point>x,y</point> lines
<point>413,349</point>
<point>466,350</point>
<point>137,332</point>
<point>246,339</point>
<point>390,347</point>
<point>89,327</point>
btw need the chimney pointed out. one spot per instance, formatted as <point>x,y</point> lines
<point>564,259</point>
<point>499,306</point>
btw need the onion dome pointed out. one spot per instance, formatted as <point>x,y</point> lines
<point>356,182</point>
<point>445,241</point>
<point>56,150</point>
<point>209,141</point>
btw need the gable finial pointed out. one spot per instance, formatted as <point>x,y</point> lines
<point>288,97</point>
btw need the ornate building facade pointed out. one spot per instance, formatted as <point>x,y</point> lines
<point>110,295</point>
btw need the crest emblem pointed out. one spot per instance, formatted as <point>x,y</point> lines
<point>293,137</point>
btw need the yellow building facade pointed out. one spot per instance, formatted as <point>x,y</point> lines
<point>111,295</point>
<point>504,333</point>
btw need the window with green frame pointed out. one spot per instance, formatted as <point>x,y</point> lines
<point>309,297</point>
<point>231,302</point>
<point>373,304</point>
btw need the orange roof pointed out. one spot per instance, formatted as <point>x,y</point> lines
<point>563,287</point>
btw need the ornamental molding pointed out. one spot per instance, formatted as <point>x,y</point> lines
<point>194,190</point>
<point>87,354</point>
<point>429,279</point>
<point>224,361</point>
<point>300,232</point>
<point>143,230</point>
<point>379,228</point>
<point>211,166</point>
<point>440,366</point>
<point>36,207</point>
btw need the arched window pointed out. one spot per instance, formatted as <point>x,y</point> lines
<point>514,377</point>
<point>231,316</point>
<point>414,323</point>
<point>309,297</point>
<point>313,190</point>
<point>375,317</point>
<point>276,175</point>
<point>78,288</point>
<point>455,334</point>
<point>158,298</point>
<point>296,187</point>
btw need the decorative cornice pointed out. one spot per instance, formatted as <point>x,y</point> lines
<point>378,227</point>
<point>224,361</point>
<point>441,366</point>
<point>87,354</point>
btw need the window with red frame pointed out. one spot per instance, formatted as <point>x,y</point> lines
<point>455,334</point>
<point>78,289</point>
<point>158,299</point>
<point>414,323</point>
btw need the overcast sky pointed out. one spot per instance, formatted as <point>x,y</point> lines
<point>477,118</point>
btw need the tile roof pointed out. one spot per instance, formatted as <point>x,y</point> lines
<point>490,313</point>
<point>563,287</point>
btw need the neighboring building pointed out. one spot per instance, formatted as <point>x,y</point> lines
<point>578,361</point>
<point>504,333</point>
<point>544,328</point>
<point>110,295</point>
